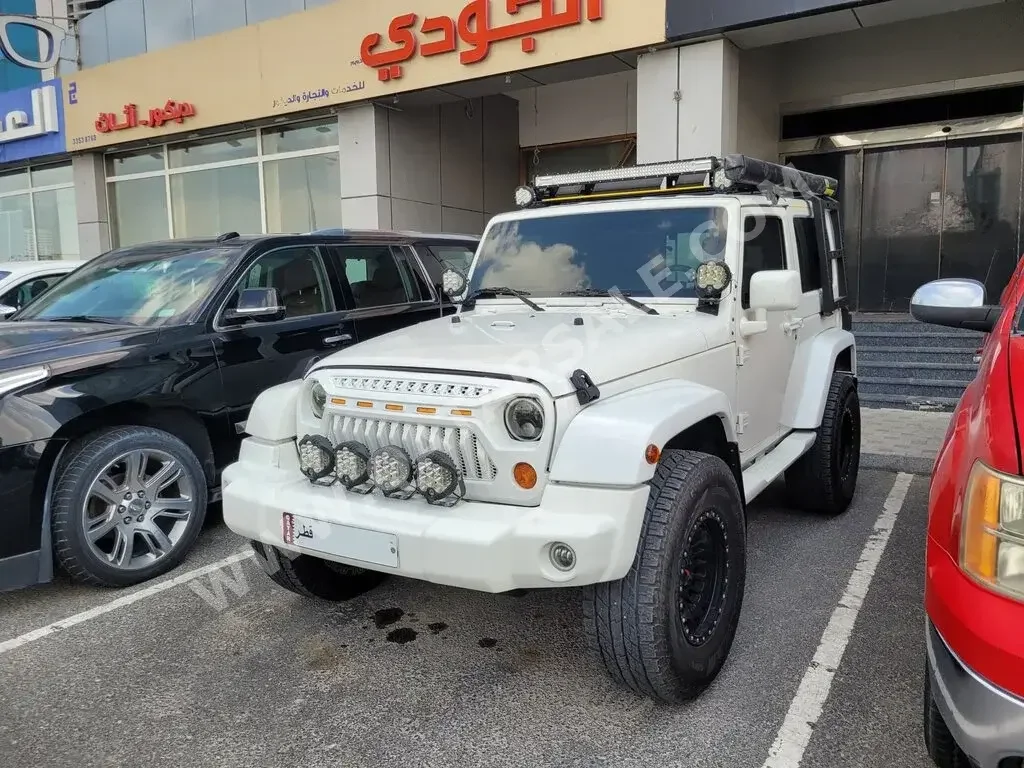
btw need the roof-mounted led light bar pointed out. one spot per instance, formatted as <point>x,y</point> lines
<point>733,173</point>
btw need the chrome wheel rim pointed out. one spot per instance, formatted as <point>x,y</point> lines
<point>137,509</point>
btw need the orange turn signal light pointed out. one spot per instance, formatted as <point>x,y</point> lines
<point>652,454</point>
<point>525,475</point>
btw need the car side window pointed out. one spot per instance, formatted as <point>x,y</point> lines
<point>808,253</point>
<point>299,277</point>
<point>377,277</point>
<point>22,294</point>
<point>764,247</point>
<point>457,257</point>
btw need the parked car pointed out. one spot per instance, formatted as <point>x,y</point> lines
<point>23,281</point>
<point>974,575</point>
<point>126,388</point>
<point>595,415</point>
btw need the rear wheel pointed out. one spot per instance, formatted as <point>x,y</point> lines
<point>941,745</point>
<point>314,577</point>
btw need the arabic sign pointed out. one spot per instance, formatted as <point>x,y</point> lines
<point>32,122</point>
<point>694,18</point>
<point>51,37</point>
<point>473,27</point>
<point>346,46</point>
<point>172,111</point>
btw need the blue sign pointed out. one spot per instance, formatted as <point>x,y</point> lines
<point>32,122</point>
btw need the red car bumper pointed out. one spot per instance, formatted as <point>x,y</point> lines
<point>976,661</point>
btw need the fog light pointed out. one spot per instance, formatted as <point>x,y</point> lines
<point>390,469</point>
<point>316,457</point>
<point>562,556</point>
<point>436,476</point>
<point>352,464</point>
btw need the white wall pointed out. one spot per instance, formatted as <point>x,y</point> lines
<point>447,168</point>
<point>593,108</point>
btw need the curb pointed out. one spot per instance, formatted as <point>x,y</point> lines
<point>911,465</point>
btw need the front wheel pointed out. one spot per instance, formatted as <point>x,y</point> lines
<point>128,504</point>
<point>666,628</point>
<point>314,577</point>
<point>942,747</point>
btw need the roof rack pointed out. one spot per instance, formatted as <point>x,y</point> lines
<point>730,174</point>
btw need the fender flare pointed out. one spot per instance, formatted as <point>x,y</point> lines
<point>811,375</point>
<point>273,416</point>
<point>605,443</point>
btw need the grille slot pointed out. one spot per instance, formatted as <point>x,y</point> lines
<point>416,439</point>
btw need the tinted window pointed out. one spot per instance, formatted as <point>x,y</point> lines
<point>30,289</point>
<point>764,247</point>
<point>808,253</point>
<point>298,276</point>
<point>376,277</point>
<point>155,286</point>
<point>641,252</point>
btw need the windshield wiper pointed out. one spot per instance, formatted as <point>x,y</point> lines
<point>617,294</point>
<point>470,300</point>
<point>86,319</point>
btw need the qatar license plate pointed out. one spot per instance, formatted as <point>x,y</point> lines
<point>372,547</point>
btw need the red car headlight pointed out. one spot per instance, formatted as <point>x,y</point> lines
<point>992,532</point>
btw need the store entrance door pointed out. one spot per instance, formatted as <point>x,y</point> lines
<point>917,212</point>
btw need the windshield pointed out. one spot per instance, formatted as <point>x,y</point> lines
<point>150,288</point>
<point>638,252</point>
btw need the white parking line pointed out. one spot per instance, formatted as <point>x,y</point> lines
<point>120,602</point>
<point>806,707</point>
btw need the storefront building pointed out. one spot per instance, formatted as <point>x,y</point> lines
<point>196,117</point>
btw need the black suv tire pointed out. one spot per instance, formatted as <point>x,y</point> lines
<point>666,628</point>
<point>314,577</point>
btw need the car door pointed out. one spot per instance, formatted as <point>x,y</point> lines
<point>316,323</point>
<point>388,289</point>
<point>765,358</point>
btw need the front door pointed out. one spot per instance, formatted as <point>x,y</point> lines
<point>259,355</point>
<point>767,357</point>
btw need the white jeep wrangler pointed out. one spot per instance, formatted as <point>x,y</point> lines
<point>639,353</point>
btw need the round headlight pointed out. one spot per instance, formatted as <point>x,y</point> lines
<point>316,457</point>
<point>390,468</point>
<point>318,399</point>
<point>436,476</point>
<point>524,419</point>
<point>352,464</point>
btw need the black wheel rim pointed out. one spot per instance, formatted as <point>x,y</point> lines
<point>849,439</point>
<point>703,578</point>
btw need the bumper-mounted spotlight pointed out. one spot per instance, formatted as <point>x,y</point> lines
<point>316,459</point>
<point>438,479</point>
<point>391,472</point>
<point>352,466</point>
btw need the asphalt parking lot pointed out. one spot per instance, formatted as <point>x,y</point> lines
<point>180,672</point>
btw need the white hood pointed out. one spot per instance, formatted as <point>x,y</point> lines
<point>545,347</point>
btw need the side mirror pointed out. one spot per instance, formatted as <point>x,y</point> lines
<point>6,311</point>
<point>453,284</point>
<point>954,303</point>
<point>260,305</point>
<point>775,290</point>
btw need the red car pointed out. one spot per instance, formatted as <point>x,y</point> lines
<point>974,577</point>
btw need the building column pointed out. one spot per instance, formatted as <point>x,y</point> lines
<point>91,204</point>
<point>687,102</point>
<point>365,167</point>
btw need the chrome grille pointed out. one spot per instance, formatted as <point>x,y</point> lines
<point>416,439</point>
<point>385,384</point>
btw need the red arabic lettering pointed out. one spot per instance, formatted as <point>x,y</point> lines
<point>171,111</point>
<point>472,27</point>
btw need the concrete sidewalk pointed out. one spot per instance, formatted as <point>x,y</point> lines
<point>903,441</point>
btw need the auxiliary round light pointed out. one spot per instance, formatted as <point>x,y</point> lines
<point>563,557</point>
<point>390,468</point>
<point>713,277</point>
<point>524,419</point>
<point>525,196</point>
<point>352,464</point>
<point>317,399</point>
<point>316,457</point>
<point>436,475</point>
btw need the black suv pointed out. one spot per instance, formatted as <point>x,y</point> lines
<point>125,388</point>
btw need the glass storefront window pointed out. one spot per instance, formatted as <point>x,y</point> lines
<point>38,220</point>
<point>281,179</point>
<point>216,201</point>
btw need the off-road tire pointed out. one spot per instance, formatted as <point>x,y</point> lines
<point>821,481</point>
<point>939,742</point>
<point>634,625</point>
<point>314,577</point>
<point>82,460</point>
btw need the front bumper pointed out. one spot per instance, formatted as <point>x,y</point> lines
<point>486,547</point>
<point>987,722</point>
